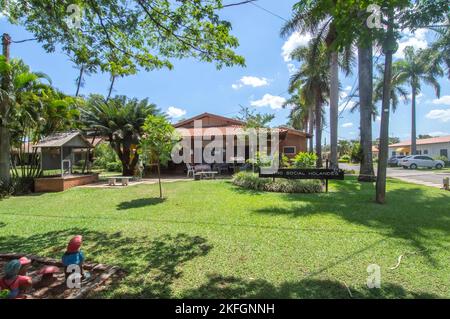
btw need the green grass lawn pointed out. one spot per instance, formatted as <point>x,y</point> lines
<point>212,239</point>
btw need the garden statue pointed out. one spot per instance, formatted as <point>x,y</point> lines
<point>13,282</point>
<point>25,264</point>
<point>74,256</point>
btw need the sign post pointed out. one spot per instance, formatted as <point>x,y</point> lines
<point>307,173</point>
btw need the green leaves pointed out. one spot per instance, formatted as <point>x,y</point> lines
<point>158,140</point>
<point>121,37</point>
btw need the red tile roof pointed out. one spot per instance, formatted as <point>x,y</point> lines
<point>433,140</point>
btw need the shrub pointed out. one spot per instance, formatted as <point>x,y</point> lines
<point>280,185</point>
<point>104,154</point>
<point>357,153</point>
<point>305,160</point>
<point>114,167</point>
<point>345,159</point>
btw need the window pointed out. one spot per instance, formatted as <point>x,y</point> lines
<point>419,152</point>
<point>425,152</point>
<point>394,153</point>
<point>289,150</point>
<point>427,158</point>
<point>444,152</point>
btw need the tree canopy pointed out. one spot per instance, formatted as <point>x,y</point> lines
<point>121,36</point>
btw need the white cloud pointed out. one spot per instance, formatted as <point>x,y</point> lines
<point>417,40</point>
<point>175,112</point>
<point>293,42</point>
<point>378,118</point>
<point>252,81</point>
<point>443,100</point>
<point>349,124</point>
<point>291,68</point>
<point>275,102</point>
<point>439,114</point>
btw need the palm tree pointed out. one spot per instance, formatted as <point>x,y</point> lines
<point>121,120</point>
<point>316,17</point>
<point>414,69</point>
<point>398,92</point>
<point>313,79</point>
<point>299,113</point>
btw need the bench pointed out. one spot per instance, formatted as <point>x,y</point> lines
<point>202,175</point>
<point>112,180</point>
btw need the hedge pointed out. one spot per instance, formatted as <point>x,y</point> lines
<point>280,185</point>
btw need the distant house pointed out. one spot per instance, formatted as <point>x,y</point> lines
<point>434,147</point>
<point>291,141</point>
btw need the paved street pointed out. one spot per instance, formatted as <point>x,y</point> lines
<point>428,177</point>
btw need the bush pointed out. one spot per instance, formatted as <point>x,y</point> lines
<point>305,160</point>
<point>280,185</point>
<point>357,153</point>
<point>104,154</point>
<point>345,159</point>
<point>114,167</point>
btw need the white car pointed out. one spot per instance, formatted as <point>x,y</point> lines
<point>415,161</point>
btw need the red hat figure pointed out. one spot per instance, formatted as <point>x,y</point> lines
<point>74,244</point>
<point>24,265</point>
<point>74,256</point>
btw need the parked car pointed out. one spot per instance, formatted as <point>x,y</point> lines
<point>416,161</point>
<point>393,161</point>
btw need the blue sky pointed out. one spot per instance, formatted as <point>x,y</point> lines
<point>193,87</point>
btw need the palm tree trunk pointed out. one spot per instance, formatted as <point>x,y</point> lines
<point>80,79</point>
<point>311,130</point>
<point>365,70</point>
<point>334,105</point>
<point>385,109</point>
<point>413,122</point>
<point>5,173</point>
<point>318,116</point>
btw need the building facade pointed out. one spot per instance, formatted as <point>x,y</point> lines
<point>433,147</point>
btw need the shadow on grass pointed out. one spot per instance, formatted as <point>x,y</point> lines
<point>2,224</point>
<point>150,265</point>
<point>219,286</point>
<point>409,214</point>
<point>141,202</point>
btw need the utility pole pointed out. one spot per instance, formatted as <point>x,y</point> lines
<point>5,174</point>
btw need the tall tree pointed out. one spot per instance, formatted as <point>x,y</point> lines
<point>317,17</point>
<point>414,69</point>
<point>313,78</point>
<point>6,99</point>
<point>254,119</point>
<point>140,34</point>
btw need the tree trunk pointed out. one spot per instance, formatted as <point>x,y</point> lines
<point>318,116</point>
<point>5,173</point>
<point>80,79</point>
<point>389,48</point>
<point>334,106</point>
<point>413,122</point>
<point>311,130</point>
<point>159,180</point>
<point>113,79</point>
<point>365,72</point>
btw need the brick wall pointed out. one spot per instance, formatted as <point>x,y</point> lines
<point>58,184</point>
